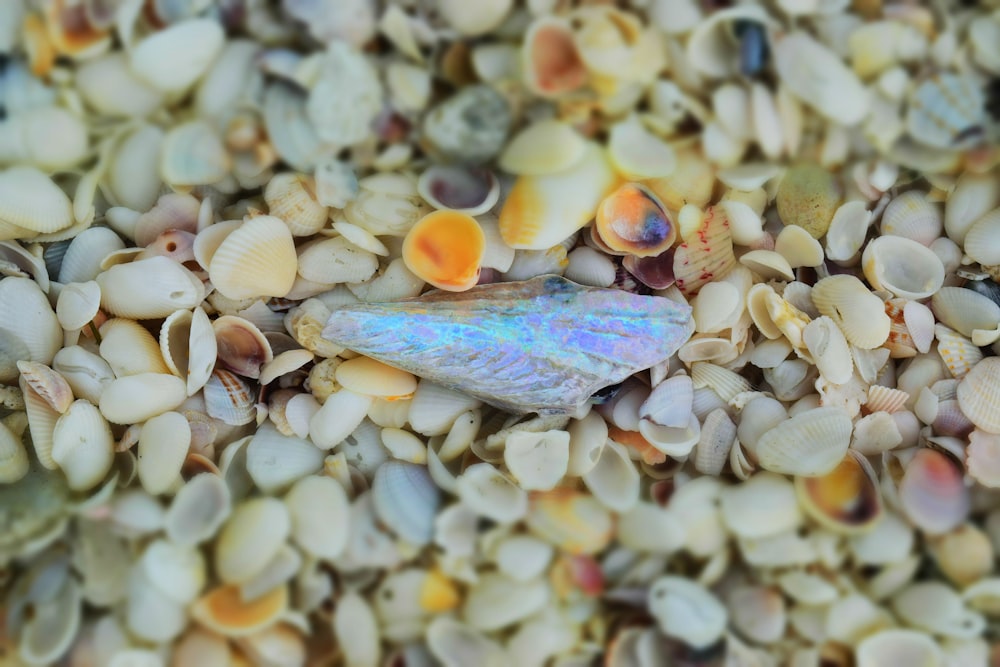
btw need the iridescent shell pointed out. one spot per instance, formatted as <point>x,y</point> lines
<point>544,344</point>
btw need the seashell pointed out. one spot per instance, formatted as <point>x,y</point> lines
<point>903,267</point>
<point>614,480</point>
<point>900,343</point>
<point>27,323</point>
<point>859,313</point>
<point>974,196</point>
<point>758,612</point>
<point>163,446</point>
<point>32,204</point>
<point>190,46</point>
<point>798,247</point>
<point>189,348</point>
<point>714,48</point>
<point>717,437</point>
<point>341,413</point>
<point>886,399</point>
<point>86,373</point>
<point>318,508</point>
<point>48,384</point>
<point>241,345</point>
<point>78,304</point>
<point>767,264</point>
<point>470,127</point>
<point>224,611</point>
<point>589,267</point>
<point>406,500</point>
<point>937,115</point>
<point>344,74</point>
<point>911,215</point>
<point>546,146</point>
<point>687,611</point>
<point>669,404</point>
<point>978,395</point>
<point>964,555</point>
<point>487,492</point>
<point>637,153</point>
<point>829,349</point>
<point>846,500</point>
<point>335,260</point>
<point>256,259</point>
<point>724,382</point>
<point>41,423</point>
<point>631,220</point>
<point>981,457</point>
<point>82,445</point>
<point>293,198</point>
<point>469,190</point>
<point>707,252</point>
<point>808,197</point>
<point>136,398</point>
<point>502,305</point>
<point>540,211</point>
<point>981,239</point>
<point>149,288</point>
<point>888,646</point>
<point>847,231</point>
<point>250,539</point>
<point>229,398</point>
<point>587,437</point>
<point>14,461</point>
<point>445,248</point>
<point>193,154</point>
<point>762,506</point>
<point>932,493</point>
<point>275,461</point>
<point>934,607</point>
<point>496,602</point>
<point>537,460</point>
<point>957,352</point>
<point>290,130</point>
<point>130,349</point>
<point>551,63</point>
<point>809,444</point>
<point>197,510</point>
<point>522,557</point>
<point>570,520</point>
<point>818,77</point>
<point>52,628</point>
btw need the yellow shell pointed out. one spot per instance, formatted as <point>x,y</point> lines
<point>632,220</point>
<point>445,248</point>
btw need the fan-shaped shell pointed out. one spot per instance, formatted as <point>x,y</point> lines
<point>406,500</point>
<point>913,216</point>
<point>979,395</point>
<point>810,444</point>
<point>257,259</point>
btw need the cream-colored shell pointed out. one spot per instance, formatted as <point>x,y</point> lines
<point>902,266</point>
<point>82,445</point>
<point>859,313</point>
<point>163,447</point>
<point>979,395</point>
<point>811,443</point>
<point>257,259</point>
<point>136,398</point>
<point>251,537</point>
<point>149,288</point>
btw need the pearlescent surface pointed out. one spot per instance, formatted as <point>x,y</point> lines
<point>541,345</point>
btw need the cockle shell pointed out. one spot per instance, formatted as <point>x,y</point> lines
<point>707,251</point>
<point>256,259</point>
<point>947,111</point>
<point>536,361</point>
<point>816,75</point>
<point>811,443</point>
<point>932,492</point>
<point>552,65</point>
<point>979,395</point>
<point>859,313</point>
<point>914,216</point>
<point>846,500</point>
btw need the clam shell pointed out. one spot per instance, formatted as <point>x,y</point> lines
<point>846,500</point>
<point>250,539</point>
<point>292,198</point>
<point>545,147</point>
<point>638,153</point>
<point>713,49</point>
<point>669,404</point>
<point>981,242</point>
<point>241,345</point>
<point>32,203</point>
<point>197,510</point>
<point>538,460</point>
<point>149,288</point>
<point>468,190</point>
<point>768,264</point>
<point>932,493</point>
<point>41,424</point>
<point>318,508</point>
<point>762,506</point>
<point>859,313</point>
<point>356,630</point>
<point>551,63</point>
<point>193,154</point>
<point>229,398</point>
<point>256,259</point>
<point>172,59</point>
<point>86,373</point>
<point>445,248</point>
<point>973,196</point>
<point>163,447</point>
<point>53,626</point>
<point>188,346</point>
<point>809,444</point>
<point>82,261</point>
<point>818,77</point>
<point>589,267</point>
<point>406,500</point>
<point>614,480</point>
<point>540,211</point>
<point>958,352</point>
<point>935,607</point>
<point>497,602</point>
<point>570,520</point>
<point>496,310</point>
<point>14,461</point>
<point>808,196</point>
<point>487,492</point>
<point>829,349</point>
<point>979,395</point>
<point>902,266</point>
<point>890,646</point>
<point>687,611</point>
<point>848,229</point>
<point>946,111</point>
<point>27,317</point>
<point>48,384</point>
<point>82,445</point>
<point>911,215</point>
<point>130,349</point>
<point>78,304</point>
<point>335,260</point>
<point>223,611</point>
<point>706,254</point>
<point>136,398</point>
<point>632,220</point>
<point>798,247</point>
<point>341,413</point>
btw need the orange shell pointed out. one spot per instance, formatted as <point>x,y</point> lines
<point>71,32</point>
<point>445,248</point>
<point>846,499</point>
<point>632,220</point>
<point>224,611</point>
<point>553,65</point>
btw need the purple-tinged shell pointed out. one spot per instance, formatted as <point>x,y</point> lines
<point>542,345</point>
<point>655,272</point>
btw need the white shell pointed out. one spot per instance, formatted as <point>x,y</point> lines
<point>887,647</point>
<point>149,288</point>
<point>336,260</point>
<point>669,404</point>
<point>250,539</point>
<point>587,437</point>
<point>341,413</point>
<point>496,602</point>
<point>87,373</point>
<point>973,197</point>
<point>136,398</point>
<point>829,349</point>
<point>763,506</point>
<point>687,611</point>
<point>177,571</point>
<point>811,443</point>
<point>904,267</point>
<point>198,510</point>
<point>82,445</point>
<point>614,480</point>
<point>847,231</point>
<point>275,461</point>
<point>32,204</point>
<point>818,77</point>
<point>981,241</point>
<point>487,492</point>
<point>934,607</point>
<point>82,261</point>
<point>25,314</point>
<point>538,460</point>
<point>859,313</point>
<point>163,447</point>
<point>319,510</point>
<point>14,461</point>
<point>979,395</point>
<point>172,59</point>
<point>356,631</point>
<point>913,216</point>
<point>256,259</point>
<point>406,500</point>
<point>130,349</point>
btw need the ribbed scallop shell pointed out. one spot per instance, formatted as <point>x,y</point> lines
<point>947,111</point>
<point>41,423</point>
<point>957,351</point>
<point>982,241</point>
<point>886,399</point>
<point>230,398</point>
<point>149,288</point>
<point>979,395</point>
<point>406,500</point>
<point>912,216</point>
<point>809,444</point>
<point>899,343</point>
<point>26,315</point>
<point>256,260</point>
<point>706,255</point>
<point>717,437</point>
<point>47,383</point>
<point>31,200</point>
<point>82,261</point>
<point>859,313</point>
<point>292,197</point>
<point>722,381</point>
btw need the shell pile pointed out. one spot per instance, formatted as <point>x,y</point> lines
<point>196,195</point>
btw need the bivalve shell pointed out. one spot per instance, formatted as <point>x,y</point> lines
<point>250,539</point>
<point>859,313</point>
<point>932,492</point>
<point>544,147</point>
<point>32,204</point>
<point>30,324</point>
<point>571,520</point>
<point>469,190</point>
<point>897,646</point>
<point>902,266</point>
<point>687,611</point>
<point>445,248</point>
<point>810,444</point>
<point>149,288</point>
<point>959,354</point>
<point>292,197</point>
<point>538,460</point>
<point>274,461</point>
<point>551,63</point>
<point>230,398</point>
<point>224,611</point>
<point>163,447</point>
<point>257,259</point>
<point>846,500</point>
<point>979,395</point>
<point>946,111</point>
<point>130,349</point>
<point>707,251</point>
<point>82,445</point>
<point>172,59</point>
<point>135,398</point>
<point>632,220</point>
<point>319,511</point>
<point>198,510</point>
<point>912,215</point>
<point>818,77</point>
<point>406,500</point>
<point>14,462</point>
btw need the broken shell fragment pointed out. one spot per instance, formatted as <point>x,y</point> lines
<point>445,248</point>
<point>632,220</point>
